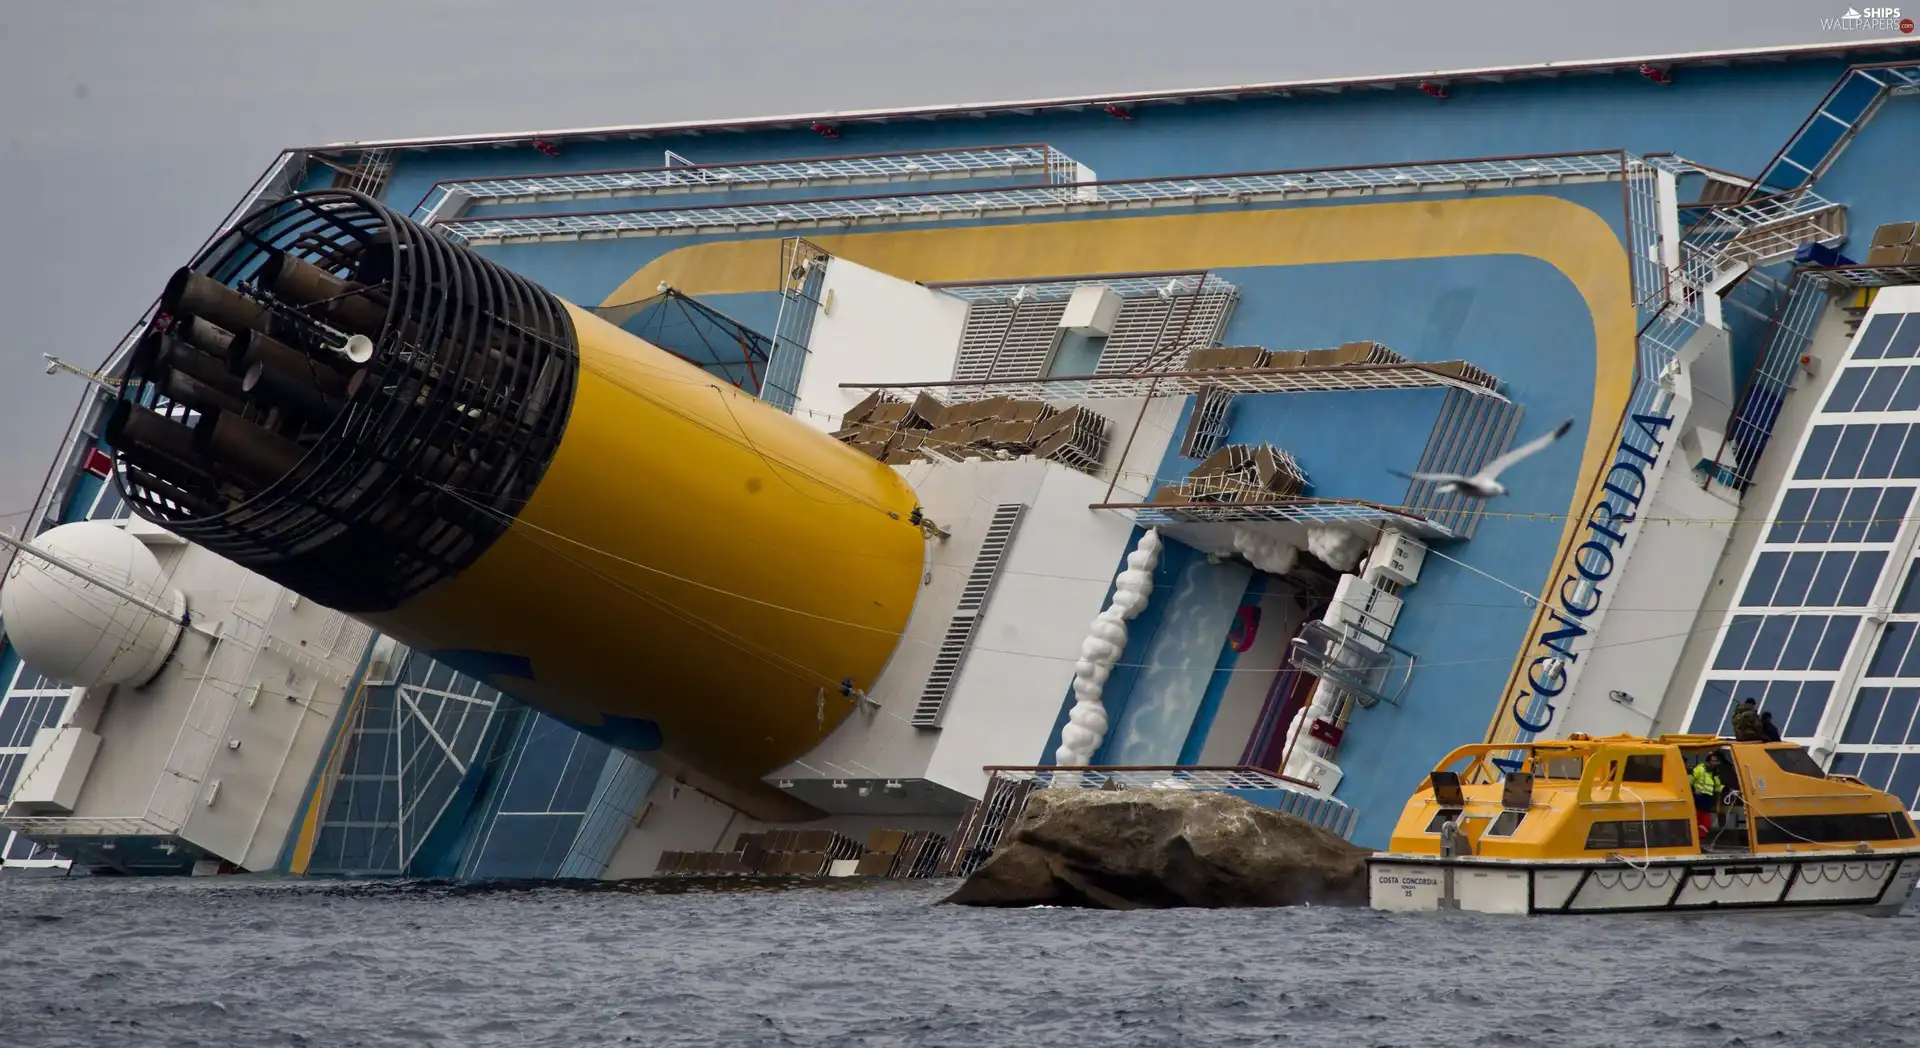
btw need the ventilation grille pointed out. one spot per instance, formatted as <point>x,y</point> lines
<point>1207,425</point>
<point>966,616</point>
<point>1007,340</point>
<point>1469,432</point>
<point>1157,334</point>
<point>1010,341</point>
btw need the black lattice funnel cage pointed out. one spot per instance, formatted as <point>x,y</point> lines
<point>898,432</point>
<point>336,398</point>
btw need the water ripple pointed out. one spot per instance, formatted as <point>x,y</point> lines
<point>244,961</point>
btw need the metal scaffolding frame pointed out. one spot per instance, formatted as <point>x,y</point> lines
<point>447,200</point>
<point>1050,289</point>
<point>1280,511</point>
<point>1868,276</point>
<point>1182,383</point>
<point>1452,176</point>
<point>1757,408</point>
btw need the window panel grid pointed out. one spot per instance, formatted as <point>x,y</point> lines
<point>1772,642</point>
<point>1896,771</point>
<point>1860,450</point>
<point>1797,704</point>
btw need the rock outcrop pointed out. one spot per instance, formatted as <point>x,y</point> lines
<point>1141,849</point>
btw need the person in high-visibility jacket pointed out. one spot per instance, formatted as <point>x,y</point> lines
<point>1707,785</point>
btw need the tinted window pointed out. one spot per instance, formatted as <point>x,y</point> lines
<point>1848,453</point>
<point>1795,761</point>
<point>1879,389</point>
<point>1846,388</point>
<point>1880,455</point>
<point>1768,645</point>
<point>1867,704</point>
<point>1833,646</point>
<point>1907,398</point>
<point>1893,648</point>
<point>1808,711</point>
<point>1907,466</point>
<point>1739,638</point>
<point>1906,341</point>
<point>1813,461</point>
<point>1505,823</point>
<point>1790,829</point>
<point>1909,599</point>
<point>1827,579</point>
<point>1861,580</point>
<point>1644,767</point>
<point>1712,707</point>
<point>1764,580</point>
<point>1797,653</point>
<point>1852,523</point>
<point>1893,505</point>
<point>1795,579</point>
<point>1873,341</point>
<point>1897,715</point>
<point>1440,817</point>
<point>1793,513</point>
<point>1827,506</point>
<point>1639,833</point>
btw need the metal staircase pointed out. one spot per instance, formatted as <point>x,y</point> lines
<point>1820,139</point>
<point>1769,229</point>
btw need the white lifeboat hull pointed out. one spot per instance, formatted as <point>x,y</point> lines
<point>1879,882</point>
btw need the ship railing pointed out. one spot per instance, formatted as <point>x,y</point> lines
<point>448,200</point>
<point>1450,176</point>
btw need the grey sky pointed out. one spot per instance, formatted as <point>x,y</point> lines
<point>130,127</point>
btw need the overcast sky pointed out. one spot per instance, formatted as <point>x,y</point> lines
<point>131,126</point>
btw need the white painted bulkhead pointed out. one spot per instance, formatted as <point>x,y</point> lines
<point>1635,640</point>
<point>871,327</point>
<point>219,748</point>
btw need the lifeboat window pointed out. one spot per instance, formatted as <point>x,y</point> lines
<point>1645,767</point>
<point>1639,833</point>
<point>1794,760</point>
<point>1827,829</point>
<point>1440,818</point>
<point>1504,824</point>
<point>1559,768</point>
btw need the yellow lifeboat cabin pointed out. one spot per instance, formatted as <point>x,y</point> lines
<point>1623,824</point>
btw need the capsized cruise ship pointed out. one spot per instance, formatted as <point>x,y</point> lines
<point>795,495</point>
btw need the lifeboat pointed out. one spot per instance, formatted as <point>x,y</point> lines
<point>1611,825</point>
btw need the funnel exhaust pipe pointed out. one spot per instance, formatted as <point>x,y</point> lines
<point>254,347</point>
<point>255,454</point>
<point>200,295</point>
<point>182,388</point>
<point>344,304</point>
<point>293,392</point>
<point>162,443</point>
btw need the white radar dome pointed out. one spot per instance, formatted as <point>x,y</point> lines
<point>73,629</point>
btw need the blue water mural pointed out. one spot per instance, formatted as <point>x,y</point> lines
<point>1179,662</point>
<point>1225,666</point>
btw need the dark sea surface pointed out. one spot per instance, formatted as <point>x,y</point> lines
<point>235,961</point>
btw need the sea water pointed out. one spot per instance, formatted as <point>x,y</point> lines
<point>240,961</point>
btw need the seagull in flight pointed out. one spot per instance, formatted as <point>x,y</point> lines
<point>1486,483</point>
